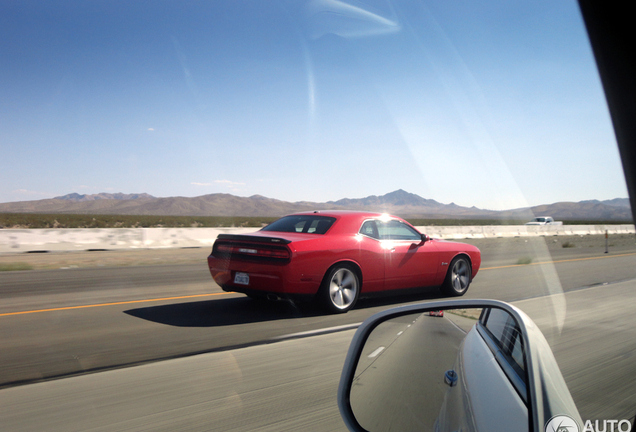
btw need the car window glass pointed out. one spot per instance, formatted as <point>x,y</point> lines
<point>370,229</point>
<point>506,334</point>
<point>396,230</point>
<point>496,322</point>
<point>302,223</point>
<point>318,226</point>
<point>517,353</point>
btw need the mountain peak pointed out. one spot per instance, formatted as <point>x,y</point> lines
<point>402,197</point>
<point>398,197</point>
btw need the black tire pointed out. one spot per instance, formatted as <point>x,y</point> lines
<point>340,289</point>
<point>458,277</point>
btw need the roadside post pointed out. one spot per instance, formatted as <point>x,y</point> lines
<point>606,250</point>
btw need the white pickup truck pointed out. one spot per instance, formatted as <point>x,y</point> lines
<point>544,220</point>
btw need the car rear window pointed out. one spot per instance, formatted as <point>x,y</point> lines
<point>302,224</point>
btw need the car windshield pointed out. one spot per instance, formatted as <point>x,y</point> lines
<point>135,133</point>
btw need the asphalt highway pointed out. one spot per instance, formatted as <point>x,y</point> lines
<point>84,320</point>
<point>291,385</point>
<point>59,323</point>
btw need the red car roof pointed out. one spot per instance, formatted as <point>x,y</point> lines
<point>341,213</point>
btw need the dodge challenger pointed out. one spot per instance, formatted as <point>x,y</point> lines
<point>333,257</point>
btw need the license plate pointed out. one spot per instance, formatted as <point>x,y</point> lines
<point>241,278</point>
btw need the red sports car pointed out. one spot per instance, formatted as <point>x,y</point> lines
<point>333,257</point>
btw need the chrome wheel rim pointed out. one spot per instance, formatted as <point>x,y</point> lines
<point>460,276</point>
<point>343,288</point>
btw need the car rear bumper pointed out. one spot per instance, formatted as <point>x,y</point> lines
<point>277,280</point>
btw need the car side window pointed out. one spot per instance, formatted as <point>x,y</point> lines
<point>517,353</point>
<point>503,336</point>
<point>370,229</point>
<point>397,230</point>
<point>503,328</point>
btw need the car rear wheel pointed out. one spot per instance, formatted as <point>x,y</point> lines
<point>458,277</point>
<point>340,289</point>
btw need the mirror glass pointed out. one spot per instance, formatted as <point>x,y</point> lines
<point>437,369</point>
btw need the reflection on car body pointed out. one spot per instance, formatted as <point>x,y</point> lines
<point>336,256</point>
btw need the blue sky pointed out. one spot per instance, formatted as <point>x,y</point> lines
<point>495,105</point>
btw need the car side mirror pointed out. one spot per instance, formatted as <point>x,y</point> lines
<point>425,238</point>
<point>452,365</point>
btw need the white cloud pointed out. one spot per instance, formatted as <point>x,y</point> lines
<point>151,129</point>
<point>228,182</point>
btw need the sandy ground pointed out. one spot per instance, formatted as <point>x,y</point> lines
<point>115,258</point>
<point>502,250</point>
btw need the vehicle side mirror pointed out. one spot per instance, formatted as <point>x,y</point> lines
<point>452,365</point>
<point>425,238</point>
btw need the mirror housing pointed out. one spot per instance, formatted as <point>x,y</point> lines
<point>546,394</point>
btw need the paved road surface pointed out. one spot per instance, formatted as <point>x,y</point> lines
<point>127,325</point>
<point>291,385</point>
<point>114,317</point>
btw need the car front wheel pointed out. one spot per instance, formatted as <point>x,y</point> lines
<point>340,289</point>
<point>458,277</point>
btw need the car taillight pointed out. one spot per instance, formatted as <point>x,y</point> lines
<point>274,253</point>
<point>224,249</point>
<point>252,251</point>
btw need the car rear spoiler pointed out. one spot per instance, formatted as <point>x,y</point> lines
<point>253,239</point>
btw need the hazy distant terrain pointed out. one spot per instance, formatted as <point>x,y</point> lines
<point>399,202</point>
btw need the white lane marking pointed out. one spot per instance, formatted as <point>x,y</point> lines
<point>458,327</point>
<point>318,331</point>
<point>376,352</point>
<point>400,333</point>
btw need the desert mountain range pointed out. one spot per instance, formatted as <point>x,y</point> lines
<point>399,202</point>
